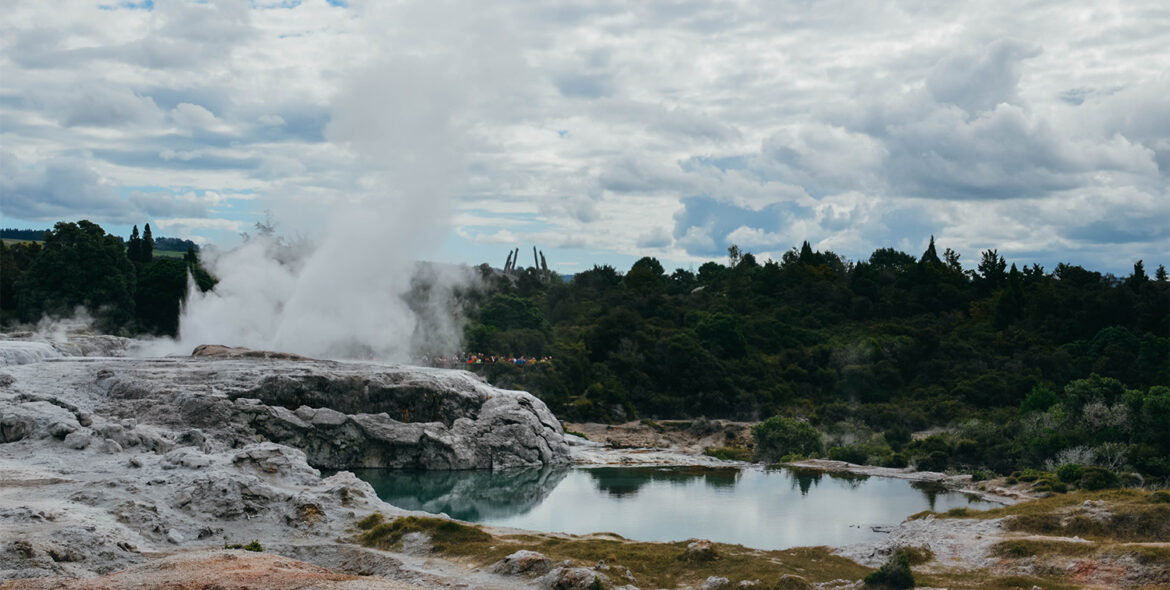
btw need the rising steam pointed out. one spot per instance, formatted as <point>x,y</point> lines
<point>343,297</point>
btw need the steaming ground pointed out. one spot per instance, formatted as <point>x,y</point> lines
<point>346,298</point>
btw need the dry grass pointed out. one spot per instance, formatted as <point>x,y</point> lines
<point>1124,515</point>
<point>656,565</point>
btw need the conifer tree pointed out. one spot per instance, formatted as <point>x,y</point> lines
<point>931,255</point>
<point>134,247</point>
<point>147,252</point>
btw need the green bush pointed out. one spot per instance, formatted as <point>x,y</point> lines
<point>982,475</point>
<point>935,461</point>
<point>1029,474</point>
<point>1050,484</point>
<point>849,454</point>
<point>895,573</point>
<point>898,460</point>
<point>1070,472</point>
<point>779,436</point>
<point>1098,478</point>
<point>897,437</point>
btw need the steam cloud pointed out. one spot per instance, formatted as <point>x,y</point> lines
<point>344,296</point>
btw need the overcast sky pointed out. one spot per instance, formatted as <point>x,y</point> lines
<point>603,131</point>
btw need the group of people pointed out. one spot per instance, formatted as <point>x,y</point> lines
<point>471,360</point>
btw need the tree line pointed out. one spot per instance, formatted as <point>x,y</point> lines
<point>121,283</point>
<point>161,243</point>
<point>1015,365</point>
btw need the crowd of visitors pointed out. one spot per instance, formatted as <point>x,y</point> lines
<point>465,360</point>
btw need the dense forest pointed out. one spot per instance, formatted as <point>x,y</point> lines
<point>1009,368</point>
<point>1016,367</point>
<point>122,283</point>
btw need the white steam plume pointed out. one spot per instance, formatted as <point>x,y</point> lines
<point>343,297</point>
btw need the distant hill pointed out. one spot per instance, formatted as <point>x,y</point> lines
<point>161,243</point>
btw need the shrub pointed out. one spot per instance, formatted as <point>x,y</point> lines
<point>849,454</point>
<point>1070,473</point>
<point>1029,474</point>
<point>778,436</point>
<point>1098,478</point>
<point>917,555</point>
<point>897,437</point>
<point>1050,484</point>
<point>894,573</point>
<point>935,461</point>
<point>982,475</point>
<point>897,460</point>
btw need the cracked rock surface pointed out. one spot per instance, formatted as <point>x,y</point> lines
<point>110,462</point>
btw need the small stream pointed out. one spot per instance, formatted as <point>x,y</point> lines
<point>765,508</point>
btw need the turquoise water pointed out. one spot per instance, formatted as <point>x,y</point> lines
<point>756,507</point>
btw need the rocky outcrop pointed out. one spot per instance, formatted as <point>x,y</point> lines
<point>221,351</point>
<point>106,462</point>
<point>342,415</point>
<point>25,348</point>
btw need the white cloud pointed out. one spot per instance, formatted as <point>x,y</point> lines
<point>859,128</point>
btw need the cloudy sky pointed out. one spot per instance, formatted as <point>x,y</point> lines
<point>602,131</point>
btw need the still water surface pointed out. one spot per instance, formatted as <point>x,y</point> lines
<point>756,507</point>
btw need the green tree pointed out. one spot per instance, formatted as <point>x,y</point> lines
<point>930,256</point>
<point>80,265</point>
<point>162,287</point>
<point>779,436</point>
<point>992,271</point>
<point>134,247</point>
<point>147,254</point>
<point>646,277</point>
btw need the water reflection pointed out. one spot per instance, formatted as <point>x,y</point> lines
<point>621,482</point>
<point>931,489</point>
<point>764,508</point>
<point>804,479</point>
<point>475,496</point>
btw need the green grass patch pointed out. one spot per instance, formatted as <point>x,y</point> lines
<point>447,536</point>
<point>1019,548</point>
<point>1144,554</point>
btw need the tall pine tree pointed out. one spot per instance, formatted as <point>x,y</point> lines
<point>134,247</point>
<point>147,252</point>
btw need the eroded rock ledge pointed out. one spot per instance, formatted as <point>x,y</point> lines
<point>342,415</point>
<point>107,462</point>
